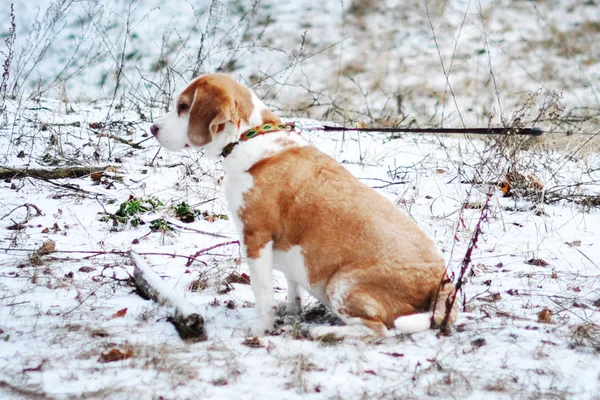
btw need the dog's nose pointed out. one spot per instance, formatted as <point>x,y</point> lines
<point>154,129</point>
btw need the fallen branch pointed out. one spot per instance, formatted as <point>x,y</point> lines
<point>188,322</point>
<point>45,174</point>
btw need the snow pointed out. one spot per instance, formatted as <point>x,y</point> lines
<point>57,318</point>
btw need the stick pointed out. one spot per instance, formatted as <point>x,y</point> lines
<point>187,321</point>
<point>118,139</point>
<point>45,174</point>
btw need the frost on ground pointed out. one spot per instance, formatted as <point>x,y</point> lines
<point>71,322</point>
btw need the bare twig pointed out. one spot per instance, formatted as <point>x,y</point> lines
<point>466,262</point>
<point>192,257</point>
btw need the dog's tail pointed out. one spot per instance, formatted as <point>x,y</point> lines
<point>422,321</point>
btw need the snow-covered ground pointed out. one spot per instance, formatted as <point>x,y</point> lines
<point>62,314</point>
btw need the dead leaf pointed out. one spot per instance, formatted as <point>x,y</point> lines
<point>253,342</point>
<point>119,314</point>
<point>86,269</point>
<point>47,247</point>
<point>491,298</point>
<point>46,230</point>
<point>574,243</point>
<point>478,343</point>
<point>96,125</point>
<point>538,262</point>
<point>505,188</point>
<point>545,316</point>
<point>115,355</point>
<point>234,277</point>
<point>96,176</point>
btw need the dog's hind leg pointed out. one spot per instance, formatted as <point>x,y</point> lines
<point>294,300</point>
<point>361,312</point>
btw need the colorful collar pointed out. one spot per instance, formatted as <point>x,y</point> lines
<point>259,130</point>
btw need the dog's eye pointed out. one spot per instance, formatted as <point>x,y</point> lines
<point>182,107</point>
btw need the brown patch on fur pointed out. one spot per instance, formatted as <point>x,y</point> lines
<point>217,99</point>
<point>375,262</point>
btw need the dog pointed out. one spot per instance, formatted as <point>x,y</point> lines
<point>301,212</point>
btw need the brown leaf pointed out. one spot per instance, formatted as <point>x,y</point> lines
<point>119,314</point>
<point>491,298</point>
<point>505,188</point>
<point>86,269</point>
<point>538,262</point>
<point>545,316</point>
<point>96,125</point>
<point>253,342</point>
<point>574,243</point>
<point>47,247</point>
<point>115,355</point>
<point>46,230</point>
<point>96,176</point>
<point>234,277</point>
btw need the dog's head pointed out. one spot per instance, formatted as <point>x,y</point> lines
<point>212,111</point>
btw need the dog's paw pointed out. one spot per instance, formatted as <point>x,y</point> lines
<point>292,308</point>
<point>288,309</point>
<point>261,328</point>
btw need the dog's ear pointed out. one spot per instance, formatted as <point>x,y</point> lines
<point>218,122</point>
<point>208,117</point>
<point>218,100</point>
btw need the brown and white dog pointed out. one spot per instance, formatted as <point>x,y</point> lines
<point>301,212</point>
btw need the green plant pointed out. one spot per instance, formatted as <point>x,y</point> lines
<point>130,210</point>
<point>185,213</point>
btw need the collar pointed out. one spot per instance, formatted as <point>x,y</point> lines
<point>257,131</point>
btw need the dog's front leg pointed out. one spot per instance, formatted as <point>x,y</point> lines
<point>261,279</point>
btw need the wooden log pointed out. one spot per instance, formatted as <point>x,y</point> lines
<point>186,319</point>
<point>56,173</point>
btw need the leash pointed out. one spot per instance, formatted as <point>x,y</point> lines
<point>511,130</point>
<point>291,126</point>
